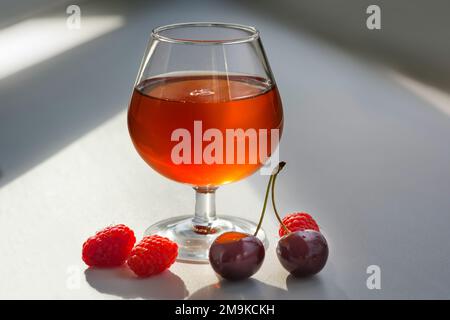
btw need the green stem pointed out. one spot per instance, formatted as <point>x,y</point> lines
<point>273,176</point>
<point>261,218</point>
<point>274,206</point>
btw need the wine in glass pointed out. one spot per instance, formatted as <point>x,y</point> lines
<point>205,111</point>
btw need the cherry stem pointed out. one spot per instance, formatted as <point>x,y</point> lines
<point>275,207</point>
<point>261,218</point>
<point>272,179</point>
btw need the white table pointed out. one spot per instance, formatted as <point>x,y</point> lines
<point>367,151</point>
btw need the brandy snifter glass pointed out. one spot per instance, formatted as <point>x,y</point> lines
<point>204,101</point>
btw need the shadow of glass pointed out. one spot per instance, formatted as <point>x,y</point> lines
<point>122,283</point>
<point>241,290</point>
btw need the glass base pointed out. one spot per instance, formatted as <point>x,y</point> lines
<point>194,242</point>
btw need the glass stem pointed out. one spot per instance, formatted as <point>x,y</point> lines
<point>205,207</point>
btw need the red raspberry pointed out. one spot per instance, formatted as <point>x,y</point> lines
<point>109,247</point>
<point>298,221</point>
<point>152,255</point>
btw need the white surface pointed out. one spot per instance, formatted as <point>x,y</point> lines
<point>73,193</point>
<point>367,154</point>
<point>22,42</point>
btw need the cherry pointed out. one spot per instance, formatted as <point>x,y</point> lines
<point>303,253</point>
<point>236,255</point>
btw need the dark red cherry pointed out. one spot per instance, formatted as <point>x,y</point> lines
<point>236,255</point>
<point>303,253</point>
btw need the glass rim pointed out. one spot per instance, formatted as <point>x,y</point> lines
<point>253,33</point>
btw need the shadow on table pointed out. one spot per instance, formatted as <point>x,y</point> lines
<point>415,49</point>
<point>241,290</point>
<point>122,283</point>
<point>312,288</point>
<point>297,288</point>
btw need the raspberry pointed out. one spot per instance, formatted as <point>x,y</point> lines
<point>152,255</point>
<point>298,221</point>
<point>109,247</point>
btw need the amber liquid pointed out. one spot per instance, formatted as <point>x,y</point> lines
<point>161,105</point>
